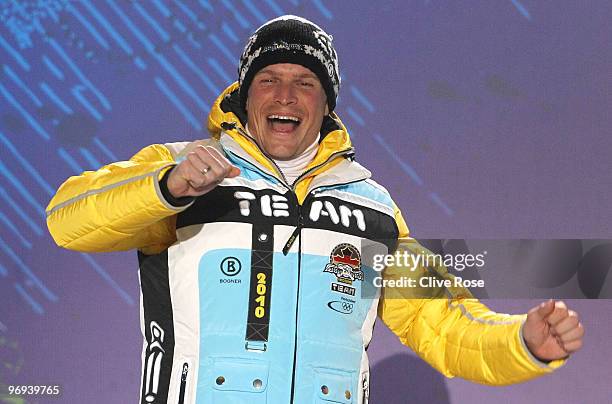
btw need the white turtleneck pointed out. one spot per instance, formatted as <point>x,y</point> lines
<point>292,169</point>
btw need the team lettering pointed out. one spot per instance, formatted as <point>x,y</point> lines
<point>342,215</point>
<point>278,206</point>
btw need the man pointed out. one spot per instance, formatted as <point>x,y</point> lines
<point>252,250</point>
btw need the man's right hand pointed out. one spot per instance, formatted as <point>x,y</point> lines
<point>201,171</point>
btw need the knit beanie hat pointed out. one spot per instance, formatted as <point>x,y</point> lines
<point>291,39</point>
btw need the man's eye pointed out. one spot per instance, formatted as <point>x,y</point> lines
<point>306,84</point>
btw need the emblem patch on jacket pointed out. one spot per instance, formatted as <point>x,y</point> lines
<point>345,263</point>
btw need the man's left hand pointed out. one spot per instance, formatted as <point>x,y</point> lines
<point>552,332</point>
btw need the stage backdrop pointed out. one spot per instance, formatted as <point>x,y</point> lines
<point>484,119</point>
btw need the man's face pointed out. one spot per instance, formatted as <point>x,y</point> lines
<point>285,106</point>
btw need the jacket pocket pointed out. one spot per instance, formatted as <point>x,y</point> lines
<point>334,386</point>
<point>240,381</point>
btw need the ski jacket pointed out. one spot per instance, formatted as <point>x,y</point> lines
<point>260,291</point>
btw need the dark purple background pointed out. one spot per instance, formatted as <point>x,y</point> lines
<point>484,120</point>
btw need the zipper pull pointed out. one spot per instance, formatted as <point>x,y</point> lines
<point>295,233</point>
<point>291,240</point>
<point>228,126</point>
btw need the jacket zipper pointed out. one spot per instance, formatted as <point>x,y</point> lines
<point>297,300</point>
<point>181,399</point>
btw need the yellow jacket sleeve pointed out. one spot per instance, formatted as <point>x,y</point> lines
<point>118,207</point>
<point>454,332</point>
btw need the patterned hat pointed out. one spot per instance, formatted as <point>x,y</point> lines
<point>291,39</point>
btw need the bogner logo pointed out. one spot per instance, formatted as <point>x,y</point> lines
<point>345,263</point>
<point>230,267</point>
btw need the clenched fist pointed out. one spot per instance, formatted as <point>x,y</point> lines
<point>552,332</point>
<point>202,170</point>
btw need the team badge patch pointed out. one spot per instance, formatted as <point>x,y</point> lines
<point>345,263</point>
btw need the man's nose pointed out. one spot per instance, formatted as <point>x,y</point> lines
<point>285,94</point>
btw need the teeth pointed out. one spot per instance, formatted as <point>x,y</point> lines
<point>285,117</point>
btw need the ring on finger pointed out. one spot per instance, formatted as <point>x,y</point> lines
<point>204,170</point>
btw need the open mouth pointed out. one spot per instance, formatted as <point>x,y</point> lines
<point>284,123</point>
